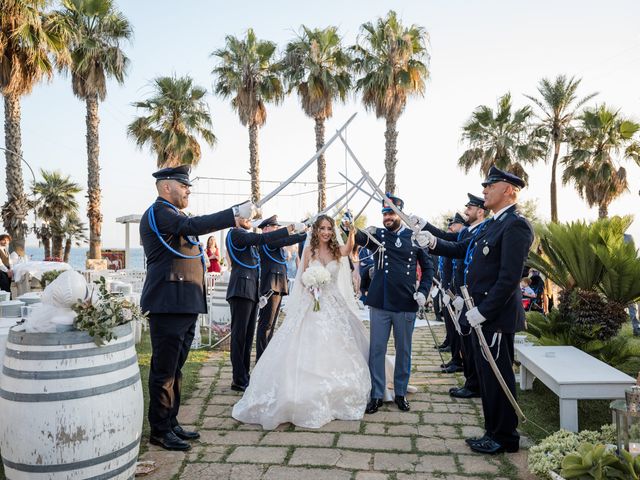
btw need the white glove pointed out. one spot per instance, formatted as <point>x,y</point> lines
<point>420,299</point>
<point>458,303</point>
<point>425,239</point>
<point>415,220</point>
<point>446,300</point>
<point>246,210</point>
<point>434,292</point>
<point>299,227</point>
<point>474,317</point>
<point>262,302</point>
<point>372,230</point>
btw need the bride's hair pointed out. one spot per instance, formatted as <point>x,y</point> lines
<point>334,246</point>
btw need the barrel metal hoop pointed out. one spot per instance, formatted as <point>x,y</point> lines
<point>74,337</point>
<point>70,395</point>
<point>67,354</point>
<point>75,373</point>
<point>63,467</point>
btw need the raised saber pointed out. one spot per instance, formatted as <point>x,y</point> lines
<point>368,194</point>
<point>368,201</point>
<point>280,187</point>
<point>489,357</point>
<point>376,189</point>
<point>336,202</point>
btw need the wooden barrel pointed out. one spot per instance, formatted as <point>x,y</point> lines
<point>70,409</point>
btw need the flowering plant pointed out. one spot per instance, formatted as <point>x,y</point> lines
<point>314,278</point>
<point>100,313</point>
<point>551,451</point>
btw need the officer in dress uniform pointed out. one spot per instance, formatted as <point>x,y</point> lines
<point>393,301</point>
<point>274,283</point>
<point>495,256</point>
<point>475,213</point>
<point>174,294</point>
<point>244,291</point>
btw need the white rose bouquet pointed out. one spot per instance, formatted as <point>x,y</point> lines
<point>314,278</point>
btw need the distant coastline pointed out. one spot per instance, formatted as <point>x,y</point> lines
<point>78,256</point>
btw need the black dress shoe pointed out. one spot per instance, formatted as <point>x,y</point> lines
<point>185,434</point>
<point>445,349</point>
<point>492,447</point>
<point>169,441</point>
<point>453,368</point>
<point>472,440</point>
<point>453,389</point>
<point>238,388</point>
<point>442,345</point>
<point>445,365</point>
<point>373,405</point>
<point>402,403</point>
<point>464,393</point>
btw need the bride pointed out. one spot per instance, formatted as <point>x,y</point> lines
<point>315,368</point>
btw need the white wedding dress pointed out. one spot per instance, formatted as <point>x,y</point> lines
<point>315,368</point>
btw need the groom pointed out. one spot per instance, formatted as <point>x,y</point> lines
<point>393,301</point>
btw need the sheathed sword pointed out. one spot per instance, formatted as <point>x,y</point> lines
<point>489,357</point>
<point>454,317</point>
<point>280,187</point>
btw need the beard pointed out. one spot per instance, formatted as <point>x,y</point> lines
<point>393,226</point>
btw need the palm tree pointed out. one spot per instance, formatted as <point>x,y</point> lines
<point>176,113</point>
<point>55,201</point>
<point>502,138</point>
<point>559,104</point>
<point>393,62</point>
<point>316,65</point>
<point>95,30</point>
<point>249,74</point>
<point>25,44</point>
<point>75,234</point>
<point>602,139</point>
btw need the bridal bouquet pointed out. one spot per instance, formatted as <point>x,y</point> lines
<point>314,278</point>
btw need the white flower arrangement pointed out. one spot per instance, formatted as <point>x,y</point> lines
<point>314,278</point>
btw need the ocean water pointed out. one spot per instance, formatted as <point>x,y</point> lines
<point>78,256</point>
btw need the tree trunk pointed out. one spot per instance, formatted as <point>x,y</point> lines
<point>16,209</point>
<point>67,250</point>
<point>254,163</point>
<point>56,246</point>
<point>93,183</point>
<point>603,210</point>
<point>391,152</point>
<point>46,242</point>
<point>554,190</point>
<point>322,165</point>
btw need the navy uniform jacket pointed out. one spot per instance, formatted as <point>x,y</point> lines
<point>273,265</point>
<point>457,274</point>
<point>392,288</point>
<point>493,277</point>
<point>243,247</point>
<point>174,284</point>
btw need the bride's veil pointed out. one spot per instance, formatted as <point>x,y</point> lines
<point>295,305</point>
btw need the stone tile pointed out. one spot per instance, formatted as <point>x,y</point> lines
<point>338,426</point>
<point>219,471</point>
<point>167,463</point>
<point>371,476</point>
<point>354,460</point>
<point>374,442</point>
<point>394,417</point>
<point>305,439</point>
<point>258,455</point>
<point>295,473</point>
<point>402,430</point>
<point>217,410</point>
<point>189,414</point>
<point>211,454</point>
<point>449,418</point>
<point>230,438</point>
<point>468,431</point>
<point>431,445</point>
<point>437,463</point>
<point>220,423</point>
<point>315,456</point>
<point>395,462</point>
<point>478,464</point>
<point>225,399</point>
<point>422,476</point>
<point>375,428</point>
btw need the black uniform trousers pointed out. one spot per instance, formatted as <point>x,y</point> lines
<point>244,313</point>
<point>500,419</point>
<point>472,382</point>
<point>266,323</point>
<point>452,339</point>
<point>171,337</point>
<point>5,282</point>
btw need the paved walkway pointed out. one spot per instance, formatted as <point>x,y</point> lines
<point>425,443</point>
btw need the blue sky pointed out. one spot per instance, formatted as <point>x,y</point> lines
<point>479,51</point>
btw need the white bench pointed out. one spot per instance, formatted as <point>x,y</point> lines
<point>571,374</point>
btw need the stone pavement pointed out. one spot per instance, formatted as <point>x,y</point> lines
<point>425,443</point>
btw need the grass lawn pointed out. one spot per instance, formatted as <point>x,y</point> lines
<point>189,379</point>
